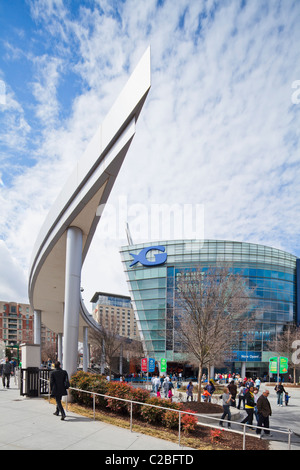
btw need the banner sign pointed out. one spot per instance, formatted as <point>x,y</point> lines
<point>151,365</point>
<point>163,365</point>
<point>144,364</point>
<point>273,365</point>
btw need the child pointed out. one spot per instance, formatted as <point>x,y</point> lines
<point>170,394</point>
<point>286,397</point>
<point>158,393</point>
<point>205,395</point>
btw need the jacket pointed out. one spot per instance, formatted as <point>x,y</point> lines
<point>7,368</point>
<point>59,382</point>
<point>249,400</point>
<point>263,406</point>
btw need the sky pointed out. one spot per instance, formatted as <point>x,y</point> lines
<point>218,134</point>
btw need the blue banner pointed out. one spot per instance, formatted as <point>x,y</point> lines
<point>151,365</point>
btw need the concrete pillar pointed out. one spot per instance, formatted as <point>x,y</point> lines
<point>37,328</point>
<point>72,299</point>
<point>59,348</point>
<point>243,370</point>
<point>85,349</point>
<point>37,319</point>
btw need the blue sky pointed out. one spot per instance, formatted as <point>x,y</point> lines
<point>220,127</point>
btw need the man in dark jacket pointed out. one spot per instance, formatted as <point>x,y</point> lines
<point>264,411</point>
<point>59,383</point>
<point>7,370</point>
<point>233,391</point>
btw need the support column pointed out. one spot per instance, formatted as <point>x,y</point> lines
<point>72,299</point>
<point>243,370</point>
<point>37,318</point>
<point>85,349</point>
<point>59,348</point>
<point>37,328</point>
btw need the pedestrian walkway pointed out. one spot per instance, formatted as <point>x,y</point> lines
<point>29,424</point>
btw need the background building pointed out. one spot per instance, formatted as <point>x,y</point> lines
<point>115,311</point>
<point>152,272</point>
<point>16,326</point>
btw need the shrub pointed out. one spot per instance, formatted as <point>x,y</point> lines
<point>171,419</point>
<point>188,422</point>
<point>141,395</point>
<point>91,383</point>
<point>215,435</point>
<point>118,390</point>
<point>154,415</point>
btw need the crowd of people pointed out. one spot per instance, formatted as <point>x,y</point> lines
<point>246,394</point>
<point>163,386</point>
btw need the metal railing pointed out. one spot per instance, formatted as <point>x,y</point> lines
<point>181,412</point>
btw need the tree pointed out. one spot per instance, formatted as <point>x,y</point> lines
<point>285,343</point>
<point>213,311</point>
<point>106,343</point>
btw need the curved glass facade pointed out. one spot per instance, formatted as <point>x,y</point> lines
<point>269,271</point>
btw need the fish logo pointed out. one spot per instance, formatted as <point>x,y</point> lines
<point>160,258</point>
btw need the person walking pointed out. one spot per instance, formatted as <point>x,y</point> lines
<point>226,400</point>
<point>264,412</point>
<point>241,396</point>
<point>233,391</point>
<point>59,383</point>
<point>165,387</point>
<point>189,391</point>
<point>249,406</point>
<point>210,388</point>
<point>7,371</point>
<point>279,389</point>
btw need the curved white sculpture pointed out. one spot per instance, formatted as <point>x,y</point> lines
<point>65,237</point>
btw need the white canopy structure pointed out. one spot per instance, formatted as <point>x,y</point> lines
<point>66,235</point>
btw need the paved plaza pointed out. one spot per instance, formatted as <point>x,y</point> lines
<point>29,424</point>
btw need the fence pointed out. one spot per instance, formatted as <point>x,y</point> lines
<point>34,381</point>
<point>206,419</point>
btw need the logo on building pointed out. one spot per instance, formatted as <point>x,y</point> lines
<point>160,258</point>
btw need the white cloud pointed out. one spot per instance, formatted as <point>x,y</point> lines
<point>218,127</point>
<point>13,283</point>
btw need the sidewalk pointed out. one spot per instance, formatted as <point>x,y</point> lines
<point>29,424</point>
